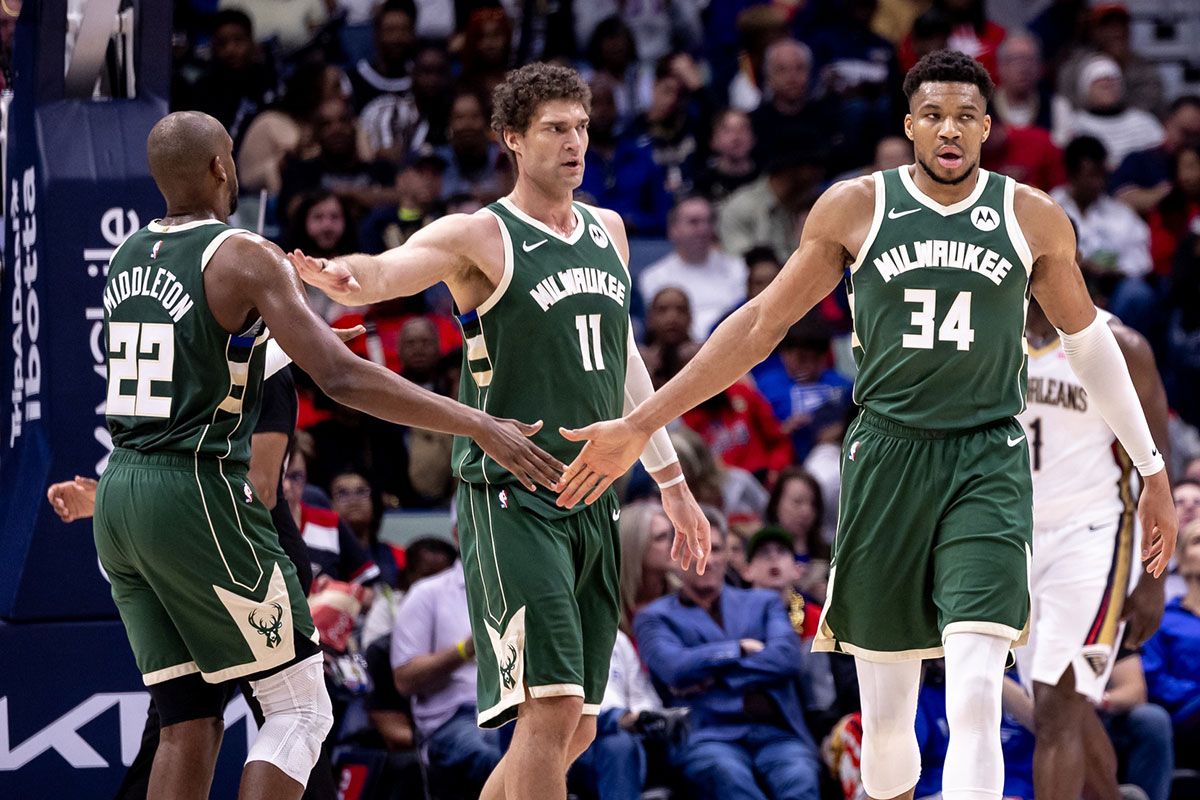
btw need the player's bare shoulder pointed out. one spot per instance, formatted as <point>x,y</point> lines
<point>1045,225</point>
<point>843,214</point>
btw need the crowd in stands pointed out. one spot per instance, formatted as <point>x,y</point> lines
<point>713,128</point>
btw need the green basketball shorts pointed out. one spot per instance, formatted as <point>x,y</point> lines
<point>544,596</point>
<point>934,537</point>
<point>197,572</point>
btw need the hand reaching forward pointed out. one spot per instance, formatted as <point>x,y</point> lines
<point>507,442</point>
<point>1160,526</point>
<point>612,447</point>
<point>332,278</point>
<point>693,534</point>
<point>73,500</point>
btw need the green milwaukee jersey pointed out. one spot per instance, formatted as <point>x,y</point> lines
<point>551,342</point>
<point>177,381</point>
<point>938,295</point>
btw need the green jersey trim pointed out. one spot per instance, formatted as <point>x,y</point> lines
<point>876,222</point>
<point>506,278</point>
<point>156,225</point>
<point>580,223</point>
<point>594,213</point>
<point>934,205</point>
<point>1015,234</point>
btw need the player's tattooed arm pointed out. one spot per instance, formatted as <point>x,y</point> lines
<point>446,251</point>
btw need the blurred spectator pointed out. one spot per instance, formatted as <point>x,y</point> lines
<point>618,175</point>
<point>824,462</point>
<point>1176,214</point>
<point>732,656</point>
<point>337,166</point>
<point>806,394</point>
<point>1186,493</point>
<point>740,430</point>
<point>858,69</point>
<point>433,657</point>
<point>796,506</point>
<point>487,50</point>
<point>757,28</point>
<point>787,119</point>
<point>239,81</point>
<point>1113,241</point>
<point>1191,469</point>
<point>419,186</point>
<point>646,572</point>
<point>770,210</point>
<point>1182,376</point>
<point>355,501</point>
<point>285,127</point>
<point>612,51</point>
<point>1144,177</point>
<point>710,277</point>
<point>930,31</point>
<point>1060,28</point>
<point>431,82</point>
<point>658,28</point>
<point>393,30</point>
<point>614,767</point>
<point>1022,96</point>
<point>761,268</point>
<point>1103,113</point>
<point>730,164</point>
<point>1025,154</point>
<point>321,226</point>
<point>1140,731</point>
<point>420,354</point>
<point>971,32</point>
<point>890,152</point>
<point>733,490</point>
<point>290,23</point>
<point>475,165</point>
<point>332,547</point>
<point>423,557</point>
<point>1108,33</point>
<point>1172,656</point>
<point>668,320</point>
<point>666,128</point>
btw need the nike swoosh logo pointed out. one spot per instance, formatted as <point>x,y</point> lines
<point>1097,527</point>
<point>893,215</point>
<point>616,514</point>
<point>527,247</point>
<point>1014,442</point>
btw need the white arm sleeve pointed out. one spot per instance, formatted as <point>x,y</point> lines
<point>276,359</point>
<point>659,451</point>
<point>1096,359</point>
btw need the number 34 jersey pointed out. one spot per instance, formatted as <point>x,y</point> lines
<point>177,381</point>
<point>1080,472</point>
<point>551,341</point>
<point>938,295</point>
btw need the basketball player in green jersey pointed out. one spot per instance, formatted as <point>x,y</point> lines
<point>543,289</point>
<point>203,587</point>
<point>935,518</point>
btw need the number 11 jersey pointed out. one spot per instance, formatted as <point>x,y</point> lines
<point>938,295</point>
<point>550,343</point>
<point>177,381</point>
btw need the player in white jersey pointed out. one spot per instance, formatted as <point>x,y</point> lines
<point>1083,584</point>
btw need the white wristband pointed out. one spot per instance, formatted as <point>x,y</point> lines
<point>668,484</point>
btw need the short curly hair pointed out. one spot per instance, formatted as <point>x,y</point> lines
<point>524,89</point>
<point>948,66</point>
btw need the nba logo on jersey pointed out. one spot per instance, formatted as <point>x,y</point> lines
<point>598,235</point>
<point>249,495</point>
<point>503,499</point>
<point>854,449</point>
<point>154,250</point>
<point>984,218</point>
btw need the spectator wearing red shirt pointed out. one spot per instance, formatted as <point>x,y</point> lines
<point>1171,219</point>
<point>971,32</point>
<point>740,429</point>
<point>1027,155</point>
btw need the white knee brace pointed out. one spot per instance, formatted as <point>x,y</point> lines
<point>298,715</point>
<point>974,674</point>
<point>891,759</point>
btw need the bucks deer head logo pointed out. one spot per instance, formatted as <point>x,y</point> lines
<point>506,668</point>
<point>270,628</point>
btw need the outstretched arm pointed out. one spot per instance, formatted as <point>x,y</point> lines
<point>250,272</point>
<point>1096,359</point>
<point>836,227</point>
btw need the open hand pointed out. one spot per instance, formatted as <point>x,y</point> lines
<point>693,534</point>
<point>1160,526</point>
<point>612,447</point>
<point>331,277</point>
<point>73,500</point>
<point>507,442</point>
